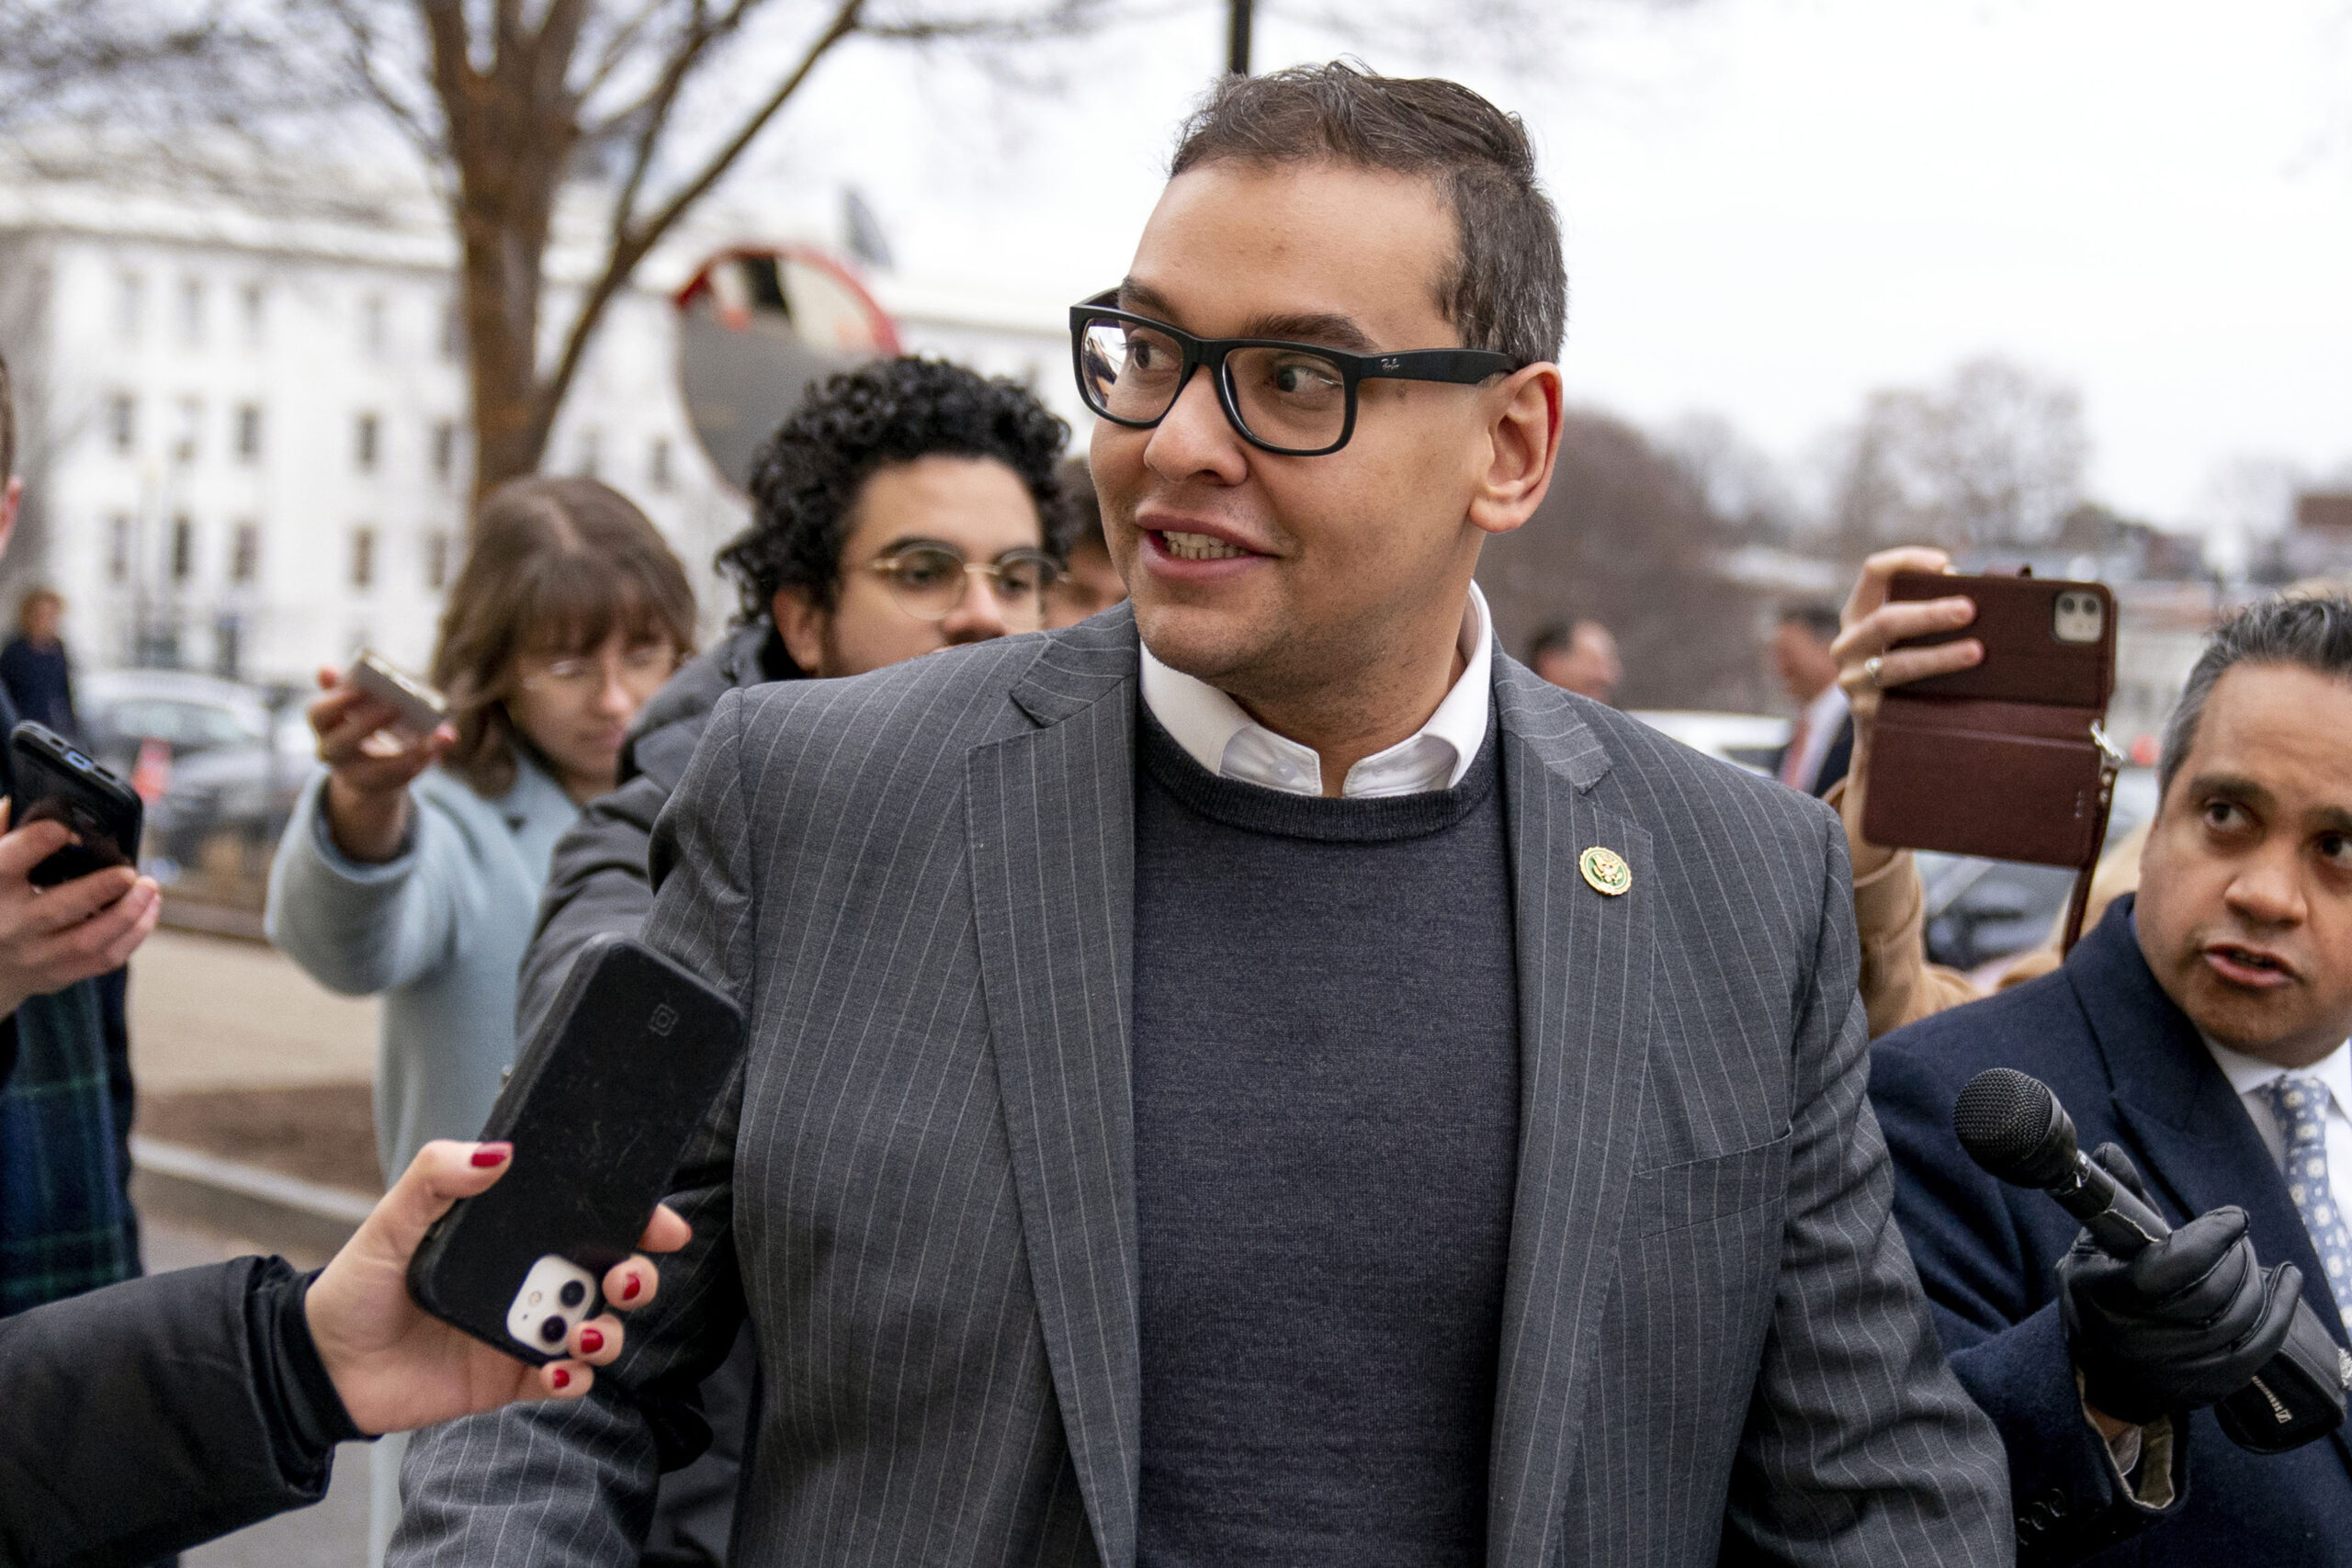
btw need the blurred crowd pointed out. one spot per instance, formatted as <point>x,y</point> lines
<point>2197,1032</point>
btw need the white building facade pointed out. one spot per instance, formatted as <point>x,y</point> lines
<point>244,436</point>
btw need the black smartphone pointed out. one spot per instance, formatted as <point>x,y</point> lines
<point>55,782</point>
<point>599,1108</point>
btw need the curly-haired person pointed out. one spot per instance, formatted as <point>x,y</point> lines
<point>901,509</point>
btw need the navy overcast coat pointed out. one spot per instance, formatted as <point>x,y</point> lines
<point>2130,1068</point>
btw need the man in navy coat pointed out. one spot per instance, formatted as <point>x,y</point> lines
<point>2202,1028</point>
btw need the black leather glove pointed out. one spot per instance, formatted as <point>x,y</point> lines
<point>2184,1324</point>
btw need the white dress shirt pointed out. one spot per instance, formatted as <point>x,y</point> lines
<point>2249,1074</point>
<point>1216,733</point>
<point>1823,717</point>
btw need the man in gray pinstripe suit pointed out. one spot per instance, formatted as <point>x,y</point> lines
<point>1258,1076</point>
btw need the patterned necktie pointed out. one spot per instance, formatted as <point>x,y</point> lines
<point>2301,1106</point>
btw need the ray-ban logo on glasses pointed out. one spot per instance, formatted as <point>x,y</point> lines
<point>1389,362</point>
<point>664,1019</point>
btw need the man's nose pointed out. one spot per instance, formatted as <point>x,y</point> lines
<point>1196,438</point>
<point>2268,889</point>
<point>980,618</point>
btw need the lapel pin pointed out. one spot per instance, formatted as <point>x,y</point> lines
<point>1606,870</point>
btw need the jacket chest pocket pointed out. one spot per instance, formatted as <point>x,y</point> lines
<point>1671,1197</point>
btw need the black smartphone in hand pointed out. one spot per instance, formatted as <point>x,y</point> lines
<point>600,1108</point>
<point>56,782</point>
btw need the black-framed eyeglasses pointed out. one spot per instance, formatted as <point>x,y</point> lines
<point>928,581</point>
<point>1297,399</point>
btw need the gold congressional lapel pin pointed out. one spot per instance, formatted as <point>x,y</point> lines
<point>1606,870</point>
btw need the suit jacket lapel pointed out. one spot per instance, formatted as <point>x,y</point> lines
<point>1050,819</point>
<point>2195,1142</point>
<point>1584,974</point>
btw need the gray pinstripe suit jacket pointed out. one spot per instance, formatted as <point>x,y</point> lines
<point>919,883</point>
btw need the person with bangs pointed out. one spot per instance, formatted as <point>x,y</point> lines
<point>413,866</point>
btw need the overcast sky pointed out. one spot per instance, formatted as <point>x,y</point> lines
<point>1774,206</point>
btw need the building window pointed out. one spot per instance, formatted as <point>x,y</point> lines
<point>131,306</point>
<point>436,560</point>
<point>250,305</point>
<point>453,330</point>
<point>245,553</point>
<point>444,450</point>
<point>362,559</point>
<point>192,311</point>
<point>366,438</point>
<point>183,549</point>
<point>191,426</point>
<point>117,548</point>
<point>371,324</point>
<point>249,433</point>
<point>657,470</point>
<point>123,421</point>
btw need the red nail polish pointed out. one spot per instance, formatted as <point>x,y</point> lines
<point>491,1154</point>
<point>628,1291</point>
<point>560,1378</point>
<point>591,1342</point>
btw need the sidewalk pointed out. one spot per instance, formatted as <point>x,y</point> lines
<point>255,1113</point>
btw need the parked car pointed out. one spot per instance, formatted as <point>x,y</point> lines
<point>1744,739</point>
<point>226,763</point>
<point>1979,912</point>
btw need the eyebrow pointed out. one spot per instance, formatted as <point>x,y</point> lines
<point>924,541</point>
<point>1325,327</point>
<point>2236,786</point>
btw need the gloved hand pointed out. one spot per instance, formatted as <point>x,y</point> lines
<point>2184,1324</point>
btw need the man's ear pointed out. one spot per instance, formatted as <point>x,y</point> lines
<point>802,625</point>
<point>11,497</point>
<point>1522,445</point>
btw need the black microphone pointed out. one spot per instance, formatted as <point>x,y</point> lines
<point>2012,1126</point>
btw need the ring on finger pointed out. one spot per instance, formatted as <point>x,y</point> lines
<point>1871,667</point>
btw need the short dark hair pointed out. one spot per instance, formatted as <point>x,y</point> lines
<point>8,423</point>
<point>1507,290</point>
<point>1557,637</point>
<point>1819,619</point>
<point>805,480</point>
<point>2314,632</point>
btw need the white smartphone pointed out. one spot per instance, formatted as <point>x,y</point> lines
<point>421,708</point>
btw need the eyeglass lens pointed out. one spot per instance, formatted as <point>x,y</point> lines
<point>1288,398</point>
<point>642,671</point>
<point>930,584</point>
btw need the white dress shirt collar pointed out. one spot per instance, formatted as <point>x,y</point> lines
<point>1824,717</point>
<point>2247,1074</point>
<point>1216,733</point>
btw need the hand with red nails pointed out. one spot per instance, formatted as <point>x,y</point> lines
<point>51,937</point>
<point>395,1366</point>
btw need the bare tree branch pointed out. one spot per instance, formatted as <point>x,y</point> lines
<point>631,242</point>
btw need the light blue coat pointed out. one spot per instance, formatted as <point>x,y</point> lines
<point>440,931</point>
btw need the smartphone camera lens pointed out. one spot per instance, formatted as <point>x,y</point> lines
<point>573,1293</point>
<point>553,1329</point>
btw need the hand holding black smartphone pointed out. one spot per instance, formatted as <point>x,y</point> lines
<point>56,782</point>
<point>599,1111</point>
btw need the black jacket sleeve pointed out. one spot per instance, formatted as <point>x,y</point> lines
<point>1985,1266</point>
<point>159,1413</point>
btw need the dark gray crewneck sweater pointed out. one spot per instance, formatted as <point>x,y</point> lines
<point>1326,1114</point>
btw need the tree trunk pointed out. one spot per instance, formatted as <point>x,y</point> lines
<point>512,129</point>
